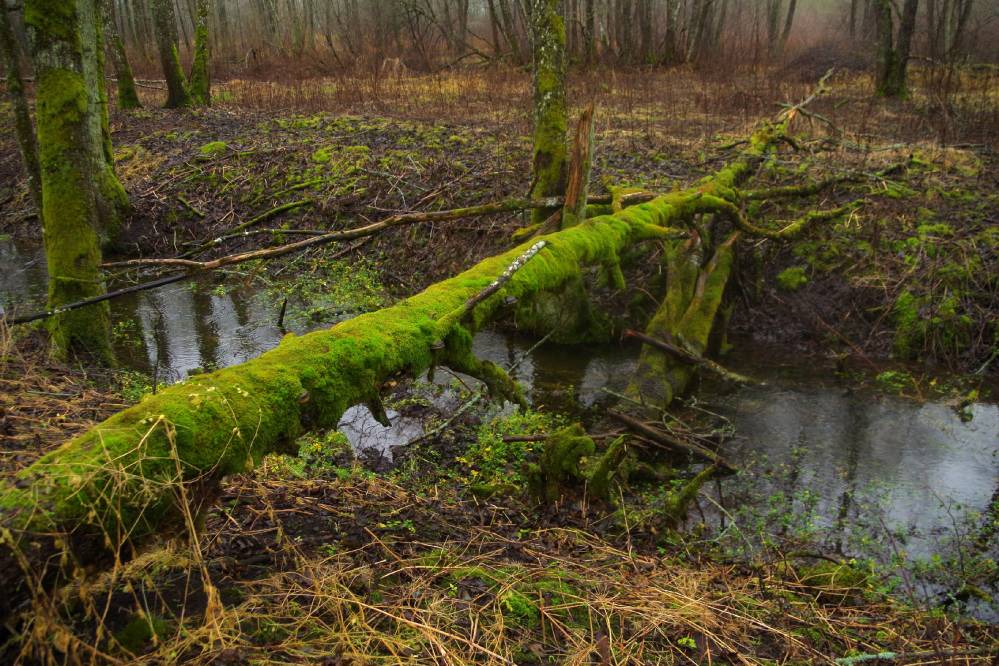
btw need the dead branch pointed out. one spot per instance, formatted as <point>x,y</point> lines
<point>669,441</point>
<point>689,357</point>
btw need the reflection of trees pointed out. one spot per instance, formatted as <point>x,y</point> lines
<point>856,421</point>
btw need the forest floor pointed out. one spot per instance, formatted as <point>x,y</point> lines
<point>326,559</point>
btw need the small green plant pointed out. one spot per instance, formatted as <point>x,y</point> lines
<point>142,632</point>
<point>495,456</point>
<point>134,385</point>
<point>125,333</point>
<point>895,381</point>
<point>327,453</point>
<point>792,279</point>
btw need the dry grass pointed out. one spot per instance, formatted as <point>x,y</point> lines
<point>465,585</point>
<point>679,102</point>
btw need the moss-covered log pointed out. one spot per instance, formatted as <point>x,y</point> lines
<point>697,273</point>
<point>117,485</point>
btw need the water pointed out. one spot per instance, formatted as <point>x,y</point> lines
<point>22,278</point>
<point>844,463</point>
<point>863,474</point>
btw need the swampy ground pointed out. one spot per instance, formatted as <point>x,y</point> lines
<point>418,543</point>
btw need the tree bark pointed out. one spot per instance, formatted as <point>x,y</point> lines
<point>165,22</point>
<point>550,114</point>
<point>201,83</point>
<point>10,52</point>
<point>82,200</point>
<point>128,97</point>
<point>893,53</point>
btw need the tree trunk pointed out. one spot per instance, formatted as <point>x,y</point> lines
<point>646,28</point>
<point>590,35</point>
<point>201,83</point>
<point>10,52</point>
<point>510,30</point>
<point>166,40</point>
<point>494,26</point>
<point>671,49</point>
<point>128,97</point>
<point>550,114</point>
<point>788,24</point>
<point>82,200</point>
<point>893,55</point>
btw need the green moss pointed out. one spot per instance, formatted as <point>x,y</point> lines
<point>909,327</point>
<point>939,230</point>
<point>895,190</point>
<point>561,462</point>
<point>930,323</point>
<point>213,149</point>
<point>321,156</point>
<point>200,79</point>
<point>53,21</point>
<point>550,112</point>
<point>895,381</point>
<point>70,216</point>
<point>792,279</point>
<point>519,608</point>
<point>520,592</point>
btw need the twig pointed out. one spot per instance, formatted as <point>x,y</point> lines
<point>510,205</point>
<point>170,279</point>
<point>502,279</point>
<point>689,357</point>
<point>188,205</point>
<point>669,441</point>
<point>277,210</point>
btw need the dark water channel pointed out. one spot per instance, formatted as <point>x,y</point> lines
<point>864,474</point>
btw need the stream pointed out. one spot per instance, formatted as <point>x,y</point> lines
<point>864,474</point>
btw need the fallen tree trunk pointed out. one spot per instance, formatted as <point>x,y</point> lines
<point>109,490</point>
<point>137,474</point>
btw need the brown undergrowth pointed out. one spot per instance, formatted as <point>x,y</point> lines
<point>43,403</point>
<point>361,570</point>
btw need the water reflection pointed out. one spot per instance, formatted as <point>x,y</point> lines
<point>23,278</point>
<point>187,328</point>
<point>870,459</point>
